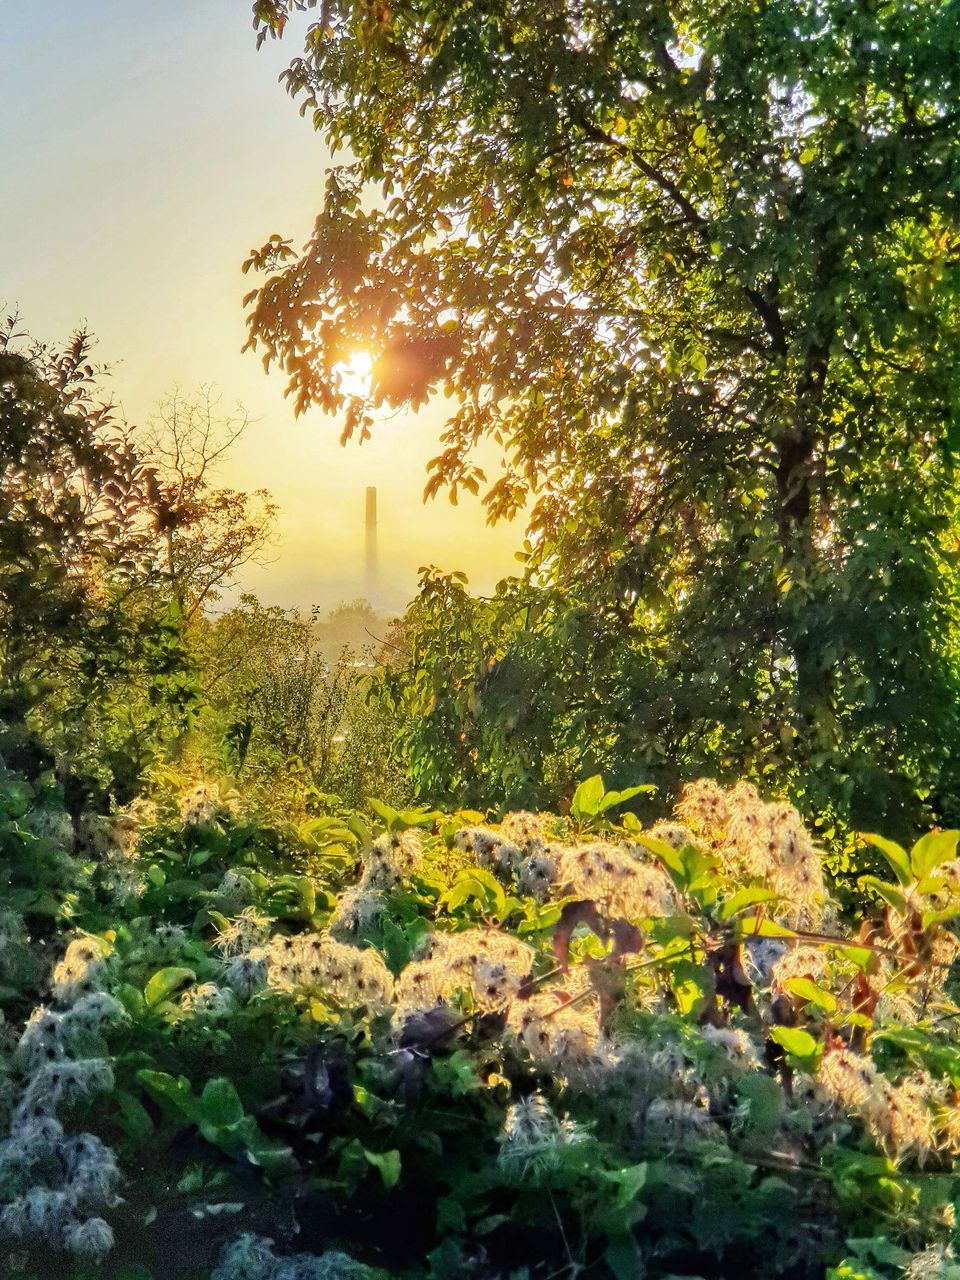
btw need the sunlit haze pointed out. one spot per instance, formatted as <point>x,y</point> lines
<point>146,149</point>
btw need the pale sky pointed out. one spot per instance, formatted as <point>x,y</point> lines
<point>146,148</point>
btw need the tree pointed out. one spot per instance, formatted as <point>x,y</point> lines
<point>287,701</point>
<point>208,533</point>
<point>696,267</point>
<point>91,655</point>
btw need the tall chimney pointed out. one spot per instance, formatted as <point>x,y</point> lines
<point>371,568</point>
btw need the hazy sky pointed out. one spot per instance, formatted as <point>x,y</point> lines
<point>146,148</point>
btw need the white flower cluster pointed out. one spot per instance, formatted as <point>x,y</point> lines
<point>235,890</point>
<point>386,862</point>
<point>317,964</point>
<point>618,879</point>
<point>485,963</point>
<point>111,839</point>
<point>202,806</point>
<point>209,1002</point>
<point>759,841</point>
<point>82,970</point>
<point>905,1118</point>
<point>938,1262</point>
<point>52,1035</point>
<point>249,929</point>
<point>534,1137</point>
<point>55,825</point>
<point>252,1257</point>
<point>655,1094</point>
<point>54,1184</point>
<point>518,851</point>
<point>559,1027</point>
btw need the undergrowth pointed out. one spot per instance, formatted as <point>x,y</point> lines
<point>418,1044</point>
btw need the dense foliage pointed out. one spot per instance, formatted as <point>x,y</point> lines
<point>695,267</point>
<point>416,1045</point>
<point>92,659</point>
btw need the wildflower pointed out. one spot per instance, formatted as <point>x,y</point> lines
<point>248,1258</point>
<point>948,1122</point>
<point>848,1078</point>
<point>558,1028</point>
<point>97,835</point>
<point>533,1136</point>
<point>523,829</point>
<point>358,908</point>
<point>704,808</point>
<point>43,1038</point>
<point>537,873</point>
<point>208,1000</point>
<point>90,1014</point>
<point>91,1240</point>
<point>63,1081</point>
<point>15,1218</point>
<point>676,1122</point>
<point>799,962</point>
<point>318,964</point>
<point>935,1263</point>
<point>170,937</point>
<point>48,1212</point>
<point>390,858</point>
<point>80,971</point>
<point>90,1168</point>
<point>736,1044</point>
<point>673,834</point>
<point>622,886</point>
<point>489,848</point>
<point>252,1257</point>
<point>246,974</point>
<point>54,825</point>
<point>235,888</point>
<point>486,963</point>
<point>201,807</point>
<point>902,1118</point>
<point>247,930</point>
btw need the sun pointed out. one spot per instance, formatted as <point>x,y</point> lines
<point>354,374</point>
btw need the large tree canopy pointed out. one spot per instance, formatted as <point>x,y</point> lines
<point>696,267</point>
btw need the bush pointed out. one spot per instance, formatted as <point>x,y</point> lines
<point>424,1045</point>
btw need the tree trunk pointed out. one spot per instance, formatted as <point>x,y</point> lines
<point>796,462</point>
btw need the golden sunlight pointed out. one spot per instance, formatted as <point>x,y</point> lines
<point>354,374</point>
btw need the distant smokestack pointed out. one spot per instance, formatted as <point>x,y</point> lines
<point>371,568</point>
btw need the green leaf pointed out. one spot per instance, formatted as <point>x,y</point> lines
<point>894,853</point>
<point>761,927</point>
<point>165,982</point>
<point>612,798</point>
<point>700,135</point>
<point>131,999</point>
<point>692,985</point>
<point>744,898</point>
<point>888,892</point>
<point>220,1103</point>
<point>388,1162</point>
<point>799,1045</point>
<point>624,1259</point>
<point>932,850</point>
<point>270,1154</point>
<point>587,798</point>
<point>176,1094</point>
<point>813,994</point>
<point>629,1182</point>
<point>134,1117</point>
